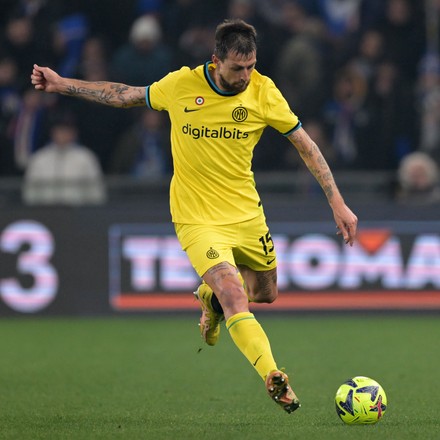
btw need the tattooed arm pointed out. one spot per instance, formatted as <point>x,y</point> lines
<point>346,221</point>
<point>102,92</point>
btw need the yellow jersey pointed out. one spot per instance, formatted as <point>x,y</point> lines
<point>213,135</point>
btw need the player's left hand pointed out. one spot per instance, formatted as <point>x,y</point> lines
<point>346,222</point>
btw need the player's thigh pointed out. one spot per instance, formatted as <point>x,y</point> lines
<point>256,259</point>
<point>255,248</point>
<point>206,245</point>
<point>261,286</point>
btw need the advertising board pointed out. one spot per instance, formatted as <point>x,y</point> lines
<point>70,262</point>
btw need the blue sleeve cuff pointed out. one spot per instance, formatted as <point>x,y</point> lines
<point>299,125</point>
<point>147,97</point>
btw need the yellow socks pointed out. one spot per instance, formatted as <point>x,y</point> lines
<point>250,338</point>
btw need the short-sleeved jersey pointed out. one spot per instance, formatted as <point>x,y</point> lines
<point>213,135</point>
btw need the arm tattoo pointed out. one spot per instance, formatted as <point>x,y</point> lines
<point>108,93</point>
<point>90,94</point>
<point>315,161</point>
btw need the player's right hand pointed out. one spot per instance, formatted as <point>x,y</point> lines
<point>44,78</point>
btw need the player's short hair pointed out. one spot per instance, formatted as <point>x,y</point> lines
<point>235,35</point>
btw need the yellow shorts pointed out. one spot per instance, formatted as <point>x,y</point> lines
<point>248,243</point>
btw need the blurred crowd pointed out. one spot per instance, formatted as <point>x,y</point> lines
<point>362,75</point>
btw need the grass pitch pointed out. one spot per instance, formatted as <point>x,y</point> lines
<point>143,378</point>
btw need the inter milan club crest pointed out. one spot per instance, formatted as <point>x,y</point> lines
<point>239,114</point>
<point>212,254</point>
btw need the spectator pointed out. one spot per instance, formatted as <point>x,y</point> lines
<point>181,15</point>
<point>42,14</point>
<point>317,130</point>
<point>249,11</point>
<point>346,22</point>
<point>390,131</point>
<point>345,116</point>
<point>418,179</point>
<point>303,87</point>
<point>10,101</point>
<point>194,45</point>
<point>70,34</point>
<point>94,60</point>
<point>383,39</point>
<point>110,18</point>
<point>29,127</point>
<point>369,53</point>
<point>63,172</point>
<point>100,132</point>
<point>144,149</point>
<point>272,10</point>
<point>145,58</point>
<point>428,99</point>
<point>403,29</point>
<point>342,17</point>
<point>19,42</point>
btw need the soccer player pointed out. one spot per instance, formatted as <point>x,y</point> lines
<point>218,112</point>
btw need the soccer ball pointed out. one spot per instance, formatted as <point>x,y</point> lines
<point>360,400</point>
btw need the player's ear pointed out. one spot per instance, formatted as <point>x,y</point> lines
<point>215,59</point>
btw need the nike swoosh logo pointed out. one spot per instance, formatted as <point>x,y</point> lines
<point>189,110</point>
<point>258,358</point>
<point>270,261</point>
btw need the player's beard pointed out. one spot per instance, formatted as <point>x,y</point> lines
<point>236,87</point>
